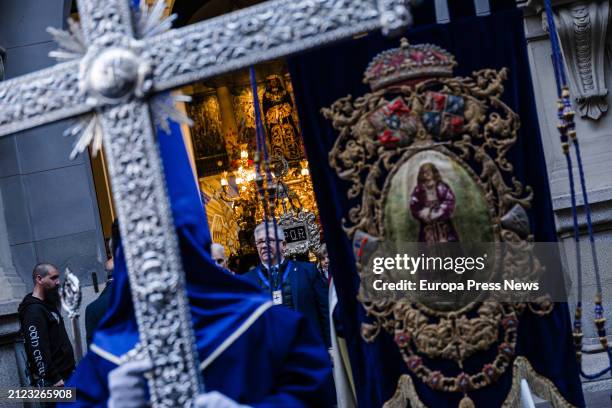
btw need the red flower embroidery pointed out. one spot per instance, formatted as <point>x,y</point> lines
<point>398,107</point>
<point>414,362</point>
<point>439,101</point>
<point>509,322</point>
<point>388,139</point>
<point>506,349</point>
<point>490,372</point>
<point>377,69</point>
<point>402,339</point>
<point>456,124</point>
<point>439,56</point>
<point>417,56</point>
<point>435,380</point>
<point>396,60</point>
<point>463,381</point>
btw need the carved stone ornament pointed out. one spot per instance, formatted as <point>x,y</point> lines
<point>582,30</point>
<point>116,62</point>
<point>418,116</point>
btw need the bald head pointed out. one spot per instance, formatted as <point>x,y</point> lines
<point>46,279</point>
<point>42,270</point>
<point>217,251</point>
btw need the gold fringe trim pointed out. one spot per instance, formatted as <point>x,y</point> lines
<point>538,384</point>
<point>405,393</point>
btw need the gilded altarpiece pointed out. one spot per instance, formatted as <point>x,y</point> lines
<point>206,133</point>
<point>224,132</point>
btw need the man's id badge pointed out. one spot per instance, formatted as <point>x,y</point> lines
<point>277,297</point>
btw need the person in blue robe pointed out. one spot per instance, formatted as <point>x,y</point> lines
<point>250,351</point>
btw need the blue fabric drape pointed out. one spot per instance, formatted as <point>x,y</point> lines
<point>322,76</point>
<point>219,301</point>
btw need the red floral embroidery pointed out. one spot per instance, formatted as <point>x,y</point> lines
<point>398,107</point>
<point>509,322</point>
<point>490,372</point>
<point>388,139</point>
<point>463,381</point>
<point>377,69</point>
<point>396,60</point>
<point>439,56</point>
<point>456,124</point>
<point>402,339</point>
<point>417,56</point>
<point>435,380</point>
<point>414,362</point>
<point>439,101</point>
<point>506,349</point>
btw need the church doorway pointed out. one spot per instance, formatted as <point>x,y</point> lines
<point>222,146</point>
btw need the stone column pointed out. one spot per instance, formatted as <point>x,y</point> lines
<point>228,120</point>
<point>12,288</point>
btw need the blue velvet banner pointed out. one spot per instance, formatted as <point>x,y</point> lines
<point>322,76</point>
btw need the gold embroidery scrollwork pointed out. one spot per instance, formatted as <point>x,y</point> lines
<point>424,109</point>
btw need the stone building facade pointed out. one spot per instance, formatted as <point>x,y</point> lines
<point>48,207</point>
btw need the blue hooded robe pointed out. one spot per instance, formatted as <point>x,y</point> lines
<point>249,350</point>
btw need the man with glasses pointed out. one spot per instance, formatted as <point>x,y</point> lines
<point>296,285</point>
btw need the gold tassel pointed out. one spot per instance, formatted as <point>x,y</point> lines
<point>466,402</point>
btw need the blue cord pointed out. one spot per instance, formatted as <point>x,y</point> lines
<point>567,127</point>
<point>260,138</point>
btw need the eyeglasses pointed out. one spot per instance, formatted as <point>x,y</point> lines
<point>260,242</point>
<point>219,261</point>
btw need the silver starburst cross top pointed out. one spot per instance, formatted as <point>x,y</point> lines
<point>115,64</point>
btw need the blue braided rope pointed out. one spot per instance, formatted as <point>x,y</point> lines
<point>556,48</point>
<point>260,145</point>
<point>601,372</point>
<point>260,138</point>
<point>587,209</point>
<point>579,267</point>
<point>568,160</point>
<point>561,83</point>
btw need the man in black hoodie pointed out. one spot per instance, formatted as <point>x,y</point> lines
<point>48,347</point>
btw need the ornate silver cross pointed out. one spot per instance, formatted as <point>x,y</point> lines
<point>119,61</point>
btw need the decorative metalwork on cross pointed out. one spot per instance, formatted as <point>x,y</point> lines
<point>117,60</point>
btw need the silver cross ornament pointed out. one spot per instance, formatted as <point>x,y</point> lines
<point>115,63</point>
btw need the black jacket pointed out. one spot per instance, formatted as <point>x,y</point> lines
<point>95,311</point>
<point>50,355</point>
<point>309,293</point>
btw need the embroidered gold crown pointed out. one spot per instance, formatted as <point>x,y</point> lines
<point>408,62</point>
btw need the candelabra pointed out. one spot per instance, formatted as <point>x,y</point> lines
<point>289,189</point>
